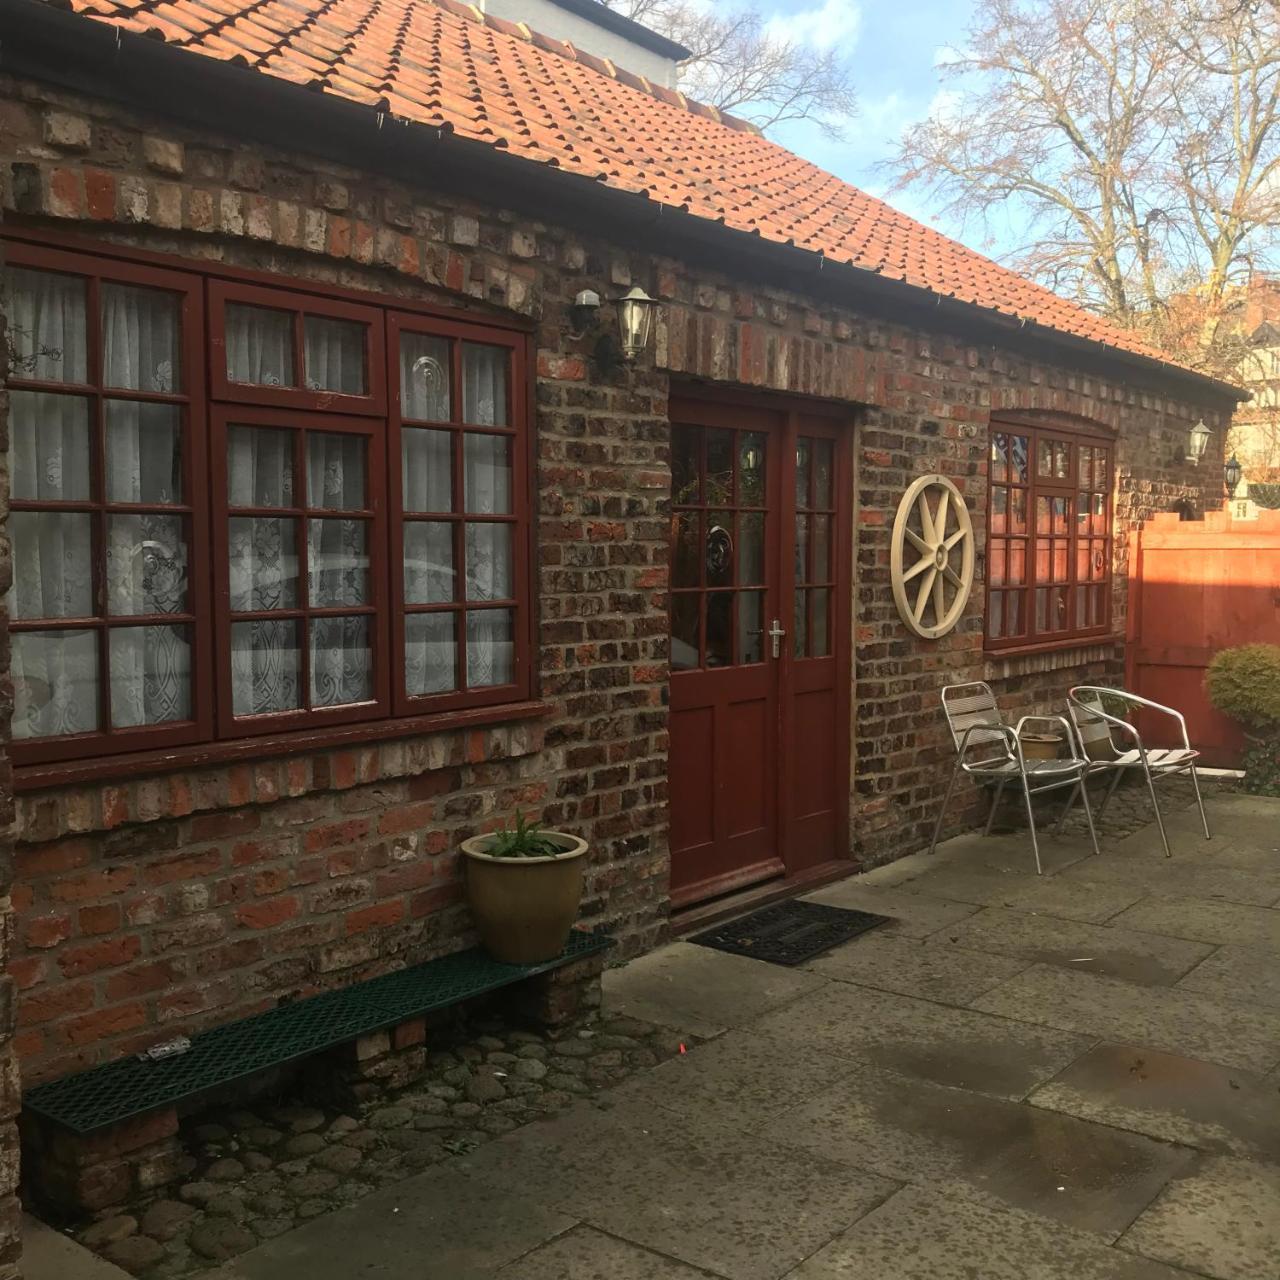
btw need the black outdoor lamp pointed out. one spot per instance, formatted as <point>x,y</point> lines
<point>1231,473</point>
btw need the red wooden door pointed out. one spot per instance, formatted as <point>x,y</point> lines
<point>759,576</point>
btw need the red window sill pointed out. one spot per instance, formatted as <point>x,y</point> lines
<point>1056,646</point>
<point>63,773</point>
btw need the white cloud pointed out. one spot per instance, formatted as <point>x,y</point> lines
<point>826,25</point>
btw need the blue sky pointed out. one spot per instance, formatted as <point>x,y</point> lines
<point>893,47</point>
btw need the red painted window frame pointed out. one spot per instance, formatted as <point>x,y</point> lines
<point>1076,435</point>
<point>109,740</point>
<point>213,733</point>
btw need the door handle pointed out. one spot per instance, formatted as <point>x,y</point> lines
<point>775,634</point>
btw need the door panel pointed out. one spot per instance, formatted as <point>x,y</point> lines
<point>757,560</point>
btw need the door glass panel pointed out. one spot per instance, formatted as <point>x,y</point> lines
<point>751,626</point>
<point>823,454</point>
<point>802,548</point>
<point>802,473</point>
<point>819,640</point>
<point>684,632</point>
<point>686,551</point>
<point>684,465</point>
<point>800,635</point>
<point>750,548</point>
<point>751,469</point>
<point>718,488</point>
<point>821,549</point>
<point>719,549</point>
<point>719,628</point>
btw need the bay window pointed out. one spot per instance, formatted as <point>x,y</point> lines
<point>241,509</point>
<point>1048,534</point>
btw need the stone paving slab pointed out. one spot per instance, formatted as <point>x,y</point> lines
<point>701,991</point>
<point>1083,1174</point>
<point>740,1077</point>
<point>1167,1018</point>
<point>689,1188</point>
<point>49,1255</point>
<point>910,967</point>
<point>1205,921</point>
<point>1157,876</point>
<point>926,1233</point>
<point>1074,898</point>
<point>585,1254</point>
<point>1085,948</point>
<point>913,916</point>
<point>957,1047</point>
<point>455,1226</point>
<point>1201,1104</point>
<point>1248,974</point>
<point>1221,1219</point>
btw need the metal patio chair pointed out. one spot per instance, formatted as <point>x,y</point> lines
<point>1095,728</point>
<point>988,750</point>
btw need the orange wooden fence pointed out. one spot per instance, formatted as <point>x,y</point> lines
<point>1195,587</point>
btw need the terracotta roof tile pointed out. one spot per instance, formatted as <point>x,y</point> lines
<point>493,80</point>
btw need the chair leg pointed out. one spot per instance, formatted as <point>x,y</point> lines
<point>1071,802</point>
<point>1111,790</point>
<point>1031,822</point>
<point>946,800</point>
<point>1088,813</point>
<point>1195,782</point>
<point>995,804</point>
<point>1155,804</point>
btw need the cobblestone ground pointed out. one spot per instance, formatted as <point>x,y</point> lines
<point>257,1172</point>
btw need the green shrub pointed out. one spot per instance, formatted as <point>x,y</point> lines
<point>1245,683</point>
<point>1261,765</point>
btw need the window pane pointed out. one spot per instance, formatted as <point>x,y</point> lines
<point>823,454</point>
<point>146,564</point>
<point>1016,605</point>
<point>52,554</point>
<point>999,458</point>
<point>337,562</point>
<point>484,387</point>
<point>1060,521</point>
<point>1099,559</point>
<point>684,465</point>
<point>1017,562</point>
<point>1085,467</point>
<point>1017,511</point>
<point>720,629</point>
<point>718,488</point>
<point>430,653</point>
<point>800,624</point>
<point>750,547</point>
<point>333,352</point>
<point>144,452</point>
<point>751,469</point>
<point>46,326</point>
<point>336,471</point>
<point>428,562</point>
<point>265,666</point>
<point>150,675</point>
<point>684,632</point>
<point>995,564</point>
<point>259,346</point>
<point>1018,459</point>
<point>802,548</point>
<point>820,642</point>
<point>141,349</point>
<point>1099,521</point>
<point>1061,460</point>
<point>490,648</point>
<point>1044,458</point>
<point>719,548</point>
<point>750,626</point>
<point>686,556</point>
<point>55,683</point>
<point>427,466</point>
<point>263,563</point>
<point>424,378</point>
<point>49,446</point>
<point>821,548</point>
<point>999,510</point>
<point>995,615</point>
<point>488,553</point>
<point>802,473</point>
<point>486,468</point>
<point>341,661</point>
<point>259,467</point>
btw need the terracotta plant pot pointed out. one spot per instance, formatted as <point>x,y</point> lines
<point>524,907</point>
<point>1041,746</point>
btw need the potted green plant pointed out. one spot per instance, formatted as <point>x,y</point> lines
<point>1244,683</point>
<point>524,884</point>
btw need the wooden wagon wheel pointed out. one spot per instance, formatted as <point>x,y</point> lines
<point>931,558</point>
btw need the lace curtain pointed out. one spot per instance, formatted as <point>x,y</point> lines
<point>55,672</point>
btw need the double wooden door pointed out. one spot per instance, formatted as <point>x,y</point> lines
<point>758,771</point>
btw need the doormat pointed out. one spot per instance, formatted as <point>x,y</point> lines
<point>789,932</point>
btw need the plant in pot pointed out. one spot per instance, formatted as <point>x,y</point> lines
<point>524,884</point>
<point>1244,683</point>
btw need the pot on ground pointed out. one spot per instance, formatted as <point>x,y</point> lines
<point>525,907</point>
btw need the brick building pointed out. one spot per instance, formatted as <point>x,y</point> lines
<point>339,532</point>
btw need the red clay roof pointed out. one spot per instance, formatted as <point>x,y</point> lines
<point>445,63</point>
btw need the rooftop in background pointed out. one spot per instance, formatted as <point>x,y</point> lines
<point>446,64</point>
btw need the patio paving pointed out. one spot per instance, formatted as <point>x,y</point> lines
<point>1068,1078</point>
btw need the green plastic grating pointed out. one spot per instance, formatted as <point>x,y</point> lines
<point>129,1087</point>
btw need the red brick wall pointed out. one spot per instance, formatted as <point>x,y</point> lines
<point>173,901</point>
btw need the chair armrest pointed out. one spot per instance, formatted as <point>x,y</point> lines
<point>1132,699</point>
<point>1059,721</point>
<point>1002,730</point>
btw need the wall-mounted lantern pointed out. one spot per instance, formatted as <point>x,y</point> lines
<point>635,321</point>
<point>1231,473</point>
<point>1198,442</point>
